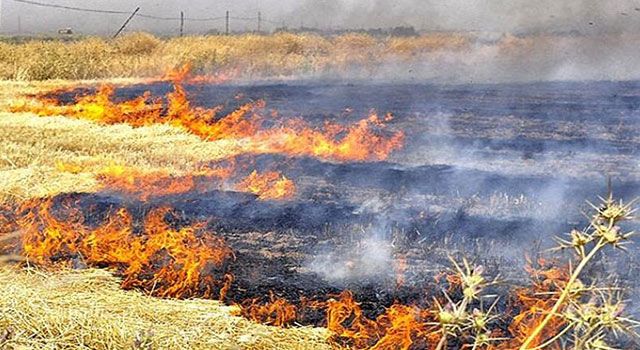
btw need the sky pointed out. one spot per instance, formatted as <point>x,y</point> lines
<point>586,16</point>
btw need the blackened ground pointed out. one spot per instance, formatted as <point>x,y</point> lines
<point>492,170</point>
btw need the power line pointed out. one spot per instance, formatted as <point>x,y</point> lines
<point>160,18</point>
<point>72,8</point>
<point>245,18</point>
<point>141,15</point>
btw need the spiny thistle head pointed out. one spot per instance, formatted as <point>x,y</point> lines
<point>479,320</point>
<point>611,211</point>
<point>580,238</point>
<point>578,241</point>
<point>453,314</point>
<point>473,281</point>
<point>603,314</point>
<point>448,318</point>
<point>611,235</point>
<point>604,223</point>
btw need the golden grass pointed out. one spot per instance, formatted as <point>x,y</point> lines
<point>86,309</point>
<point>33,148</point>
<point>143,55</point>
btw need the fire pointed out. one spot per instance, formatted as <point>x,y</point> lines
<point>358,142</point>
<point>365,140</point>
<point>146,185</point>
<point>166,261</point>
<point>269,185</point>
<point>190,261</point>
<point>277,312</point>
<point>399,327</point>
<point>145,110</point>
<point>535,303</point>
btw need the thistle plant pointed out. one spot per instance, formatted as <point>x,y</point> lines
<point>589,321</point>
<point>601,315</point>
<point>458,319</point>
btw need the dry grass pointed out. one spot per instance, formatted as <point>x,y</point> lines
<point>88,310</point>
<point>33,148</point>
<point>143,55</point>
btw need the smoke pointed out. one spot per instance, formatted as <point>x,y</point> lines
<point>587,16</point>
<point>369,258</point>
<point>496,15</point>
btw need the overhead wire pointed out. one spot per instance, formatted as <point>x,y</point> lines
<point>141,15</point>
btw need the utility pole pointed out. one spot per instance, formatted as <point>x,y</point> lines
<point>181,23</point>
<point>126,22</point>
<point>226,31</point>
<point>259,21</point>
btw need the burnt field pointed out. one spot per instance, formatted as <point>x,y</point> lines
<point>490,172</point>
<point>490,167</point>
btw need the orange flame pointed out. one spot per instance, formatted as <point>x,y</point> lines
<point>277,312</point>
<point>270,185</point>
<point>535,303</point>
<point>166,261</point>
<point>146,185</point>
<point>362,141</point>
<point>399,327</point>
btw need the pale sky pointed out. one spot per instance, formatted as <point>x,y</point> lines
<point>482,15</point>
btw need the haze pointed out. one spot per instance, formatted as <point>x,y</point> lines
<point>515,16</point>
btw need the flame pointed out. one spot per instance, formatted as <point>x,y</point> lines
<point>269,185</point>
<point>163,260</point>
<point>277,312</point>
<point>145,185</point>
<point>535,303</point>
<point>362,141</point>
<point>399,327</point>
<point>190,261</point>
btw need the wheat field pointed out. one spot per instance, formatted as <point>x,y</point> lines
<point>144,55</point>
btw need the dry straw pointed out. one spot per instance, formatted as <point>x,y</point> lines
<point>87,310</point>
